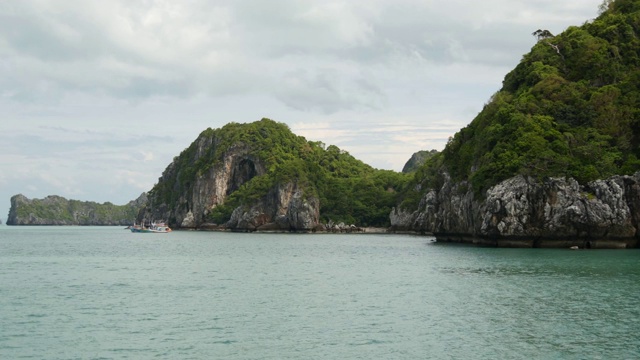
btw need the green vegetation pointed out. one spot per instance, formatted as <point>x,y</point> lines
<point>570,108</point>
<point>60,211</point>
<point>418,159</point>
<point>349,190</point>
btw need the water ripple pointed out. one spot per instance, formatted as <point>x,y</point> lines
<point>100,293</point>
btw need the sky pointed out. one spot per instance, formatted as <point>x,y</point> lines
<point>97,97</point>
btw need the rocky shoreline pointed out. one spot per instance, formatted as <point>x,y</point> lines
<point>567,243</point>
<point>525,212</point>
<point>519,212</point>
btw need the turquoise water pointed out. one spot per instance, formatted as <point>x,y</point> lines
<point>105,293</point>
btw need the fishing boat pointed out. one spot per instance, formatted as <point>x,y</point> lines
<point>154,227</point>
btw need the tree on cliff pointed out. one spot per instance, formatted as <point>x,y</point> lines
<point>542,34</point>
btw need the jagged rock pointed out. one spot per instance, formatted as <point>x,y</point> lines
<point>284,208</point>
<point>339,228</point>
<point>210,189</point>
<point>189,221</point>
<point>521,211</point>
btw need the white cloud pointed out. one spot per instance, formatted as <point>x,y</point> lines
<point>318,131</point>
<point>147,155</point>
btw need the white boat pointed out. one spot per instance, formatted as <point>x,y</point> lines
<point>160,227</point>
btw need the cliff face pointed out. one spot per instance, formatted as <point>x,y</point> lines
<point>56,210</point>
<point>521,211</point>
<point>207,190</point>
<point>284,207</point>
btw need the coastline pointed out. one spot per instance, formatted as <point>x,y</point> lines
<point>503,242</point>
<point>558,243</point>
<point>514,242</point>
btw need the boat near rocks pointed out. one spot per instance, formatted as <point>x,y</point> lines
<point>154,227</point>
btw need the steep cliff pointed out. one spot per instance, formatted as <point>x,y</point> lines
<point>551,158</point>
<point>525,212</point>
<point>283,208</point>
<point>56,210</point>
<point>261,176</point>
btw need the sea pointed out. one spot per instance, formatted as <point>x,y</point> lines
<point>107,293</point>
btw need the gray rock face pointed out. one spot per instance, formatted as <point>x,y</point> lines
<point>283,208</point>
<point>524,212</point>
<point>208,190</point>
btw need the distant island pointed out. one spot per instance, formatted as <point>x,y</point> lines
<point>552,160</point>
<point>56,210</point>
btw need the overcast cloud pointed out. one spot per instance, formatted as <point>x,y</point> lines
<point>97,97</point>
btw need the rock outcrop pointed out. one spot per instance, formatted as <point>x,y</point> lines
<point>284,208</point>
<point>523,212</point>
<point>56,210</point>
<point>211,188</point>
<point>417,160</point>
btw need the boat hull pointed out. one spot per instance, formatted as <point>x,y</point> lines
<point>154,229</point>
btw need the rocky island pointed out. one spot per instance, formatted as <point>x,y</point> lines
<point>262,177</point>
<point>56,210</point>
<point>552,160</point>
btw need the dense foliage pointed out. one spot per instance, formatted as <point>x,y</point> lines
<point>570,108</point>
<point>349,190</point>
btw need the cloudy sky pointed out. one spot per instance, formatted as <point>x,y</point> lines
<point>97,97</point>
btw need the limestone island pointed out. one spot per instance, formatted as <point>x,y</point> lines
<point>552,160</point>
